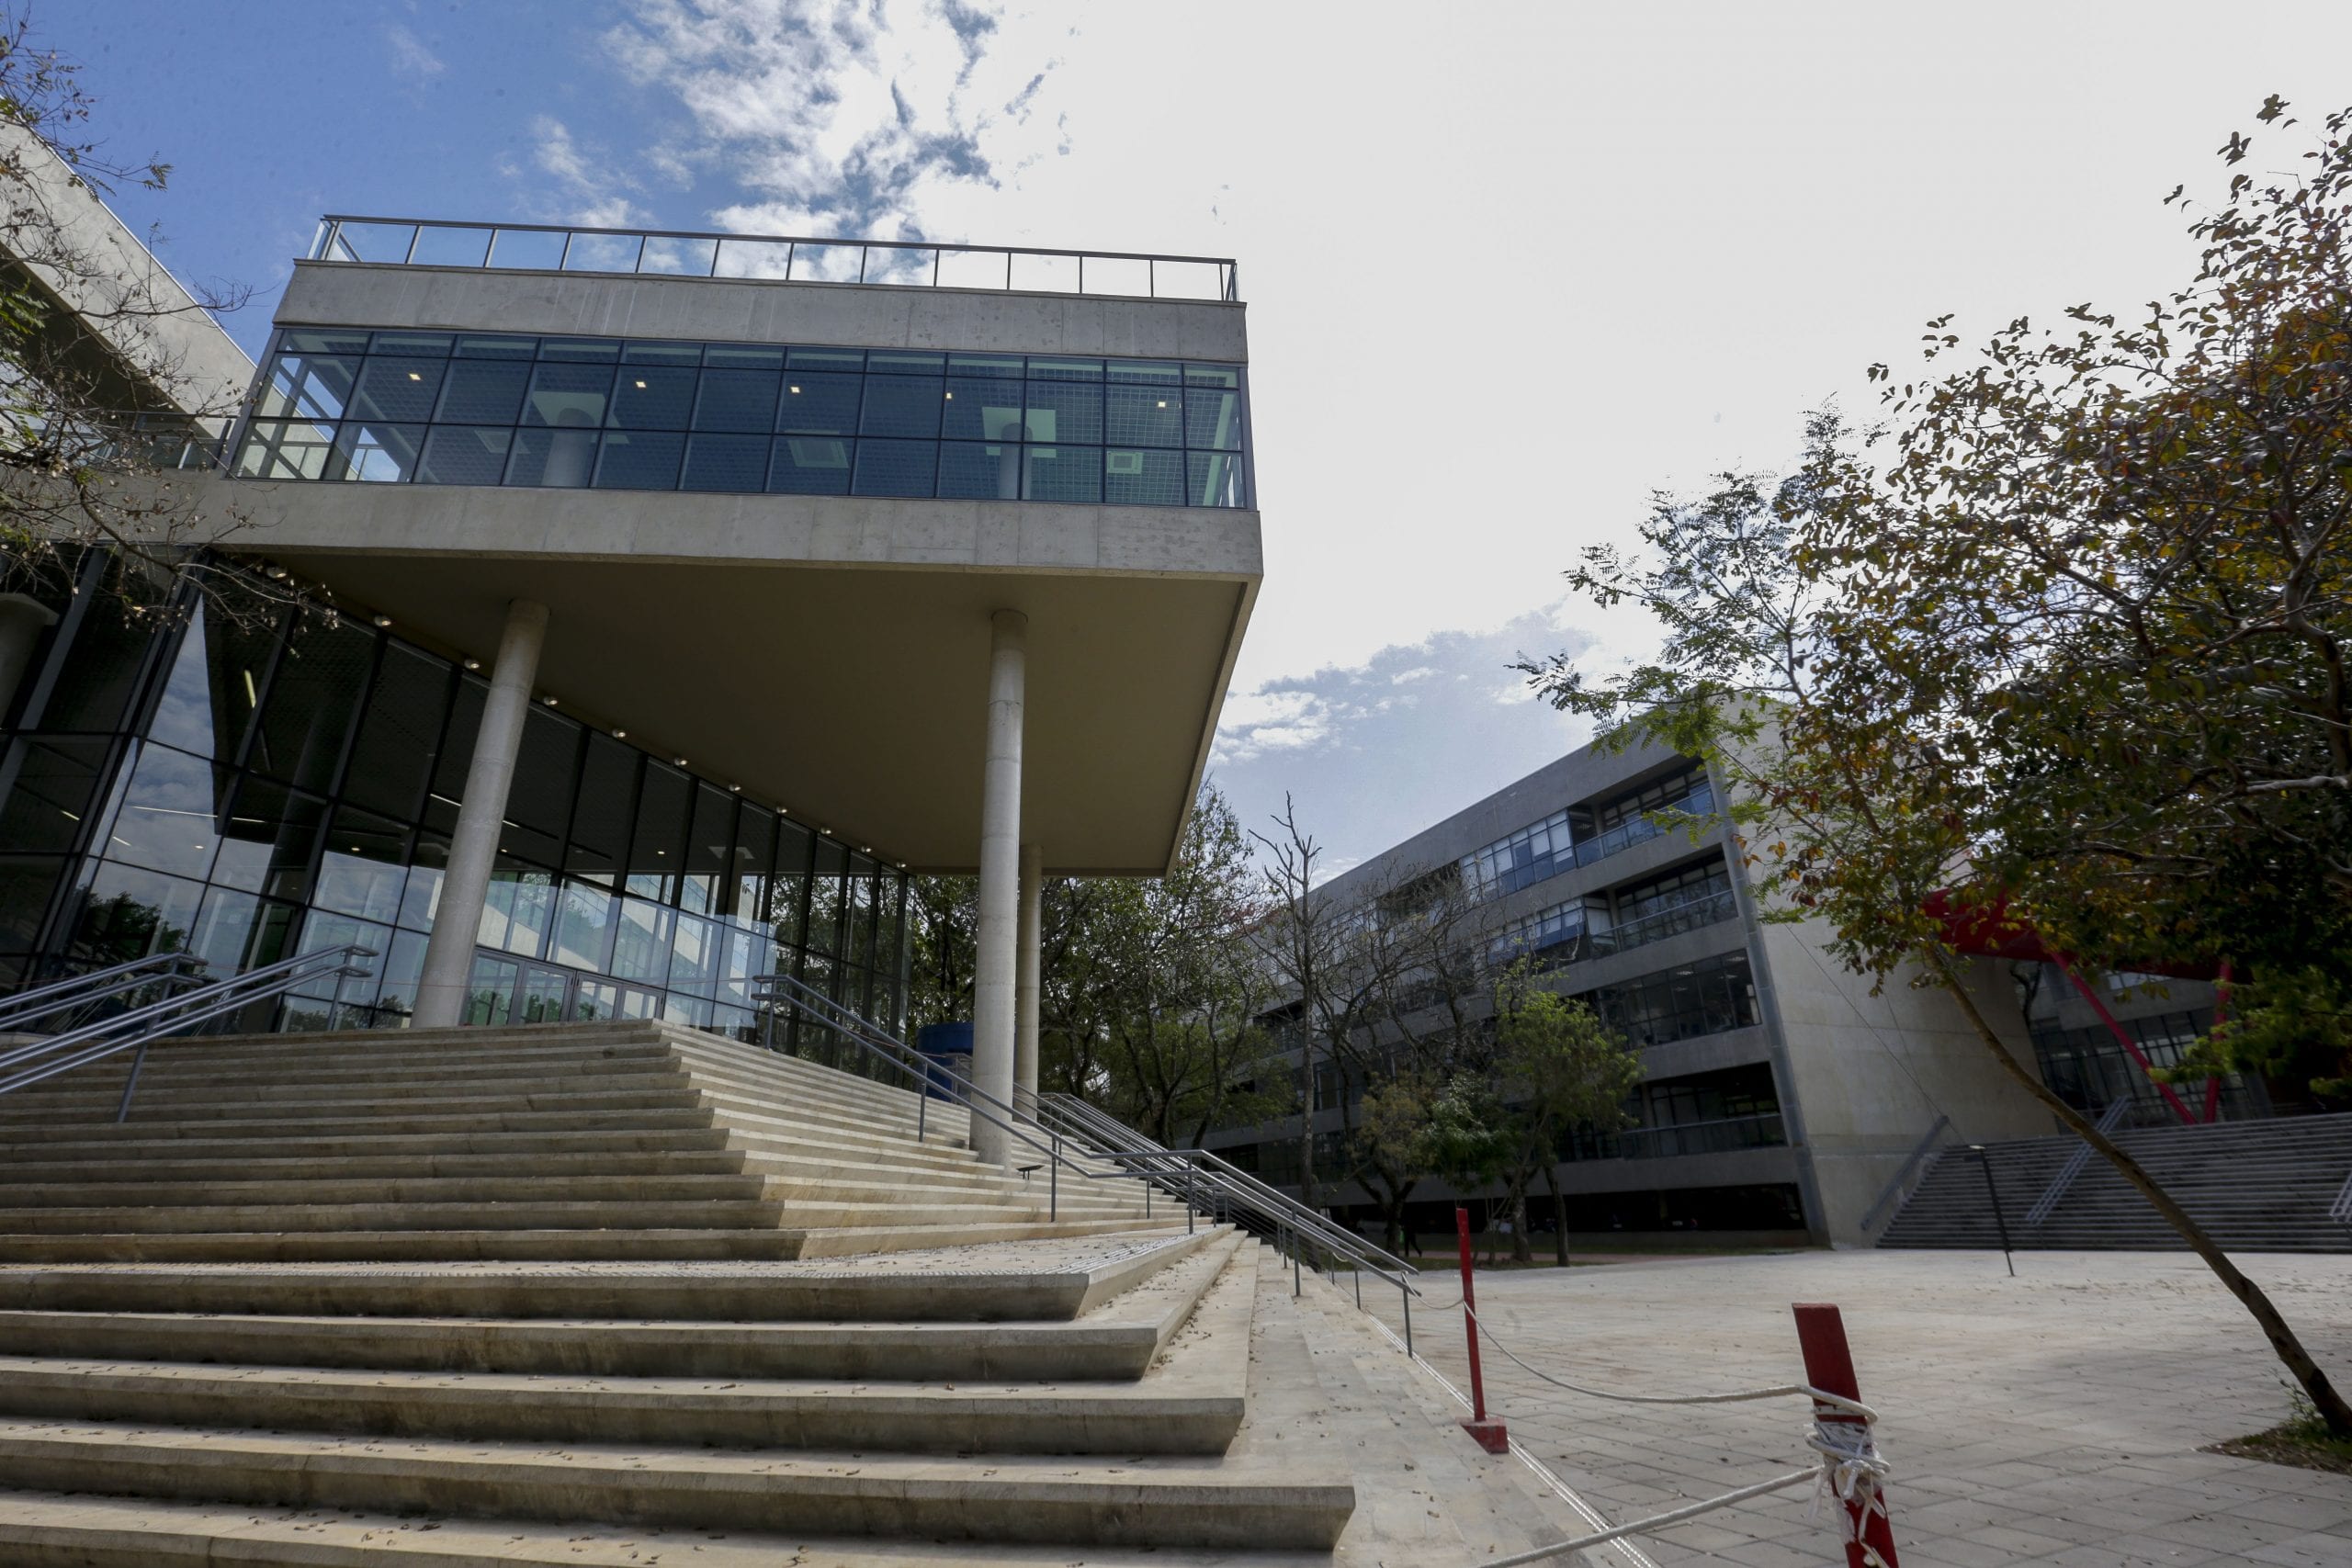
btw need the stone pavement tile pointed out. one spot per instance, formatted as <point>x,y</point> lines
<point>1951,1553</point>
<point>2231,1532</point>
<point>2312,1511</point>
<point>1816,1553</point>
<point>2136,1552</point>
<point>2322,1550</point>
<point>2024,1546</point>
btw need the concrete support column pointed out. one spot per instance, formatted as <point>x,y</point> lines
<point>1026,980</point>
<point>22,620</point>
<point>993,1004</point>
<point>473,848</point>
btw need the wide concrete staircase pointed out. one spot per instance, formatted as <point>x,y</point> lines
<point>2262,1186</point>
<point>629,1294</point>
<point>632,1140</point>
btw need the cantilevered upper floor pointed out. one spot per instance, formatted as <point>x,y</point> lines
<point>772,491</point>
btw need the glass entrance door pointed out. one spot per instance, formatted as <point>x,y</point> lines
<point>505,990</point>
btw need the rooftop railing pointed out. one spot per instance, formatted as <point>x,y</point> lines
<point>677,252</point>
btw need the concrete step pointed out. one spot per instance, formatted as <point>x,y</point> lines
<point>538,1214</point>
<point>336,1123</point>
<point>1190,1401</point>
<point>939,1281</point>
<point>232,1103</point>
<point>414,1161</point>
<point>313,1187</point>
<point>58,1530</point>
<point>167,1073</point>
<point>1147,1501</point>
<point>1116,1340</point>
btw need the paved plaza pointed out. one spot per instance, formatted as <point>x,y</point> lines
<point>2056,1418</point>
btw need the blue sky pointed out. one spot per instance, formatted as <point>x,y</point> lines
<point>1510,267</point>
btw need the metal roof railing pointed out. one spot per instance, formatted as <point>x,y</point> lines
<point>781,258</point>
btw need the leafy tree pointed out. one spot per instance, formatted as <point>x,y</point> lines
<point>1558,1068</point>
<point>2070,653</point>
<point>89,430</point>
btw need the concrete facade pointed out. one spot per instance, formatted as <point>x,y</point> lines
<point>1857,1079</point>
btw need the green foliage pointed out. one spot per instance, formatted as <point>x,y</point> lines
<point>1468,1139</point>
<point>2294,1025</point>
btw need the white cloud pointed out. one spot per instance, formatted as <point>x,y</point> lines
<point>1369,764</point>
<point>589,182</point>
<point>409,57</point>
<point>843,117</point>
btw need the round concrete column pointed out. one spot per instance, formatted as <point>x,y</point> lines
<point>992,979</point>
<point>473,848</point>
<point>1032,941</point>
<point>22,620</point>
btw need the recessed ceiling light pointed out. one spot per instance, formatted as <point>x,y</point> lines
<point>796,391</point>
<point>734,789</point>
<point>620,734</point>
<point>550,701</point>
<point>1163,402</point>
<point>383,620</point>
<point>640,386</point>
<point>414,377</point>
<point>680,761</point>
<point>473,663</point>
<point>951,397</point>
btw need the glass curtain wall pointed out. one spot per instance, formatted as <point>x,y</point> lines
<point>244,789</point>
<point>609,414</point>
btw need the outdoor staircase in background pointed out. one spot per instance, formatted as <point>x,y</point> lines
<point>2258,1186</point>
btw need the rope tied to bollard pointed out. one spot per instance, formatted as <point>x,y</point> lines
<point>1851,1470</point>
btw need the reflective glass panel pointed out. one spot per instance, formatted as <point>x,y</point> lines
<point>896,467</point>
<point>901,405</point>
<point>640,460</point>
<point>810,465</point>
<point>483,391</point>
<point>737,463</point>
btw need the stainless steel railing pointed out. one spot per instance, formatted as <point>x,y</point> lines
<point>1899,1187</point>
<point>775,994</point>
<point>2079,1156</point>
<point>782,258</point>
<point>139,1028</point>
<point>78,991</point>
<point>1202,1177</point>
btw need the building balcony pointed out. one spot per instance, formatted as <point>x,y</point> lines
<point>1642,828</point>
<point>1673,922</point>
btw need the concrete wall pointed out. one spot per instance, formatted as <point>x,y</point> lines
<point>752,311</point>
<point>1870,1074</point>
<point>160,338</point>
<point>296,518</point>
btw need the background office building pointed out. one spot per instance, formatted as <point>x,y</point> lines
<point>1778,1096</point>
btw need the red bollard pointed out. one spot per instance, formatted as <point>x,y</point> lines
<point>1489,1434</point>
<point>1829,1366</point>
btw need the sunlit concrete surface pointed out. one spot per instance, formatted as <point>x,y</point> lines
<point>2055,1417</point>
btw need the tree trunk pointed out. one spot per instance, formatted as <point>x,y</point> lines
<point>2324,1399</point>
<point>1520,1252</point>
<point>1559,1215</point>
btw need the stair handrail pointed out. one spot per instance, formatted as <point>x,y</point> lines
<point>2341,1209</point>
<point>1113,1140</point>
<point>2076,1159</point>
<point>96,985</point>
<point>142,1027</point>
<point>862,1032</point>
<point>1894,1190</point>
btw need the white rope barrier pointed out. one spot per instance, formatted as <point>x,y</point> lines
<point>1851,1470</point>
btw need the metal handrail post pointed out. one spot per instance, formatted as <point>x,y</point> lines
<point>1188,1197</point>
<point>1406,1291</point>
<point>1054,1182</point>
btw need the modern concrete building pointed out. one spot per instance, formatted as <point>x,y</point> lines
<point>689,590</point>
<point>1779,1095</point>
